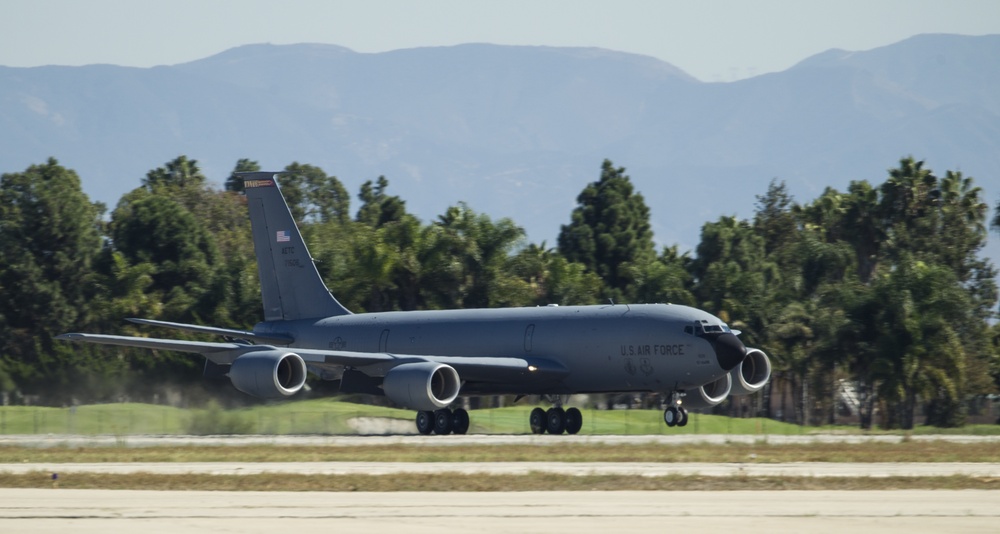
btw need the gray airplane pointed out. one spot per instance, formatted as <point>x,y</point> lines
<point>424,360</point>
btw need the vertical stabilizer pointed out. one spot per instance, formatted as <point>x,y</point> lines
<point>290,284</point>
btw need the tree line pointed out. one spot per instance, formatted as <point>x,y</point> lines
<point>878,294</point>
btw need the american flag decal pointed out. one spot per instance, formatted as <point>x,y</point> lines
<point>283,237</point>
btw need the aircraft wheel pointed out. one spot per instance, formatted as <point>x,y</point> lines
<point>556,421</point>
<point>574,421</point>
<point>460,421</point>
<point>442,422</point>
<point>537,421</point>
<point>425,422</point>
<point>683,413</point>
<point>671,416</point>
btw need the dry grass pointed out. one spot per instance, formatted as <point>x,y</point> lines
<point>907,451</point>
<point>457,482</point>
<point>761,452</point>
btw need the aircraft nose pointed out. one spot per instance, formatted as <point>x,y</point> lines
<point>729,350</point>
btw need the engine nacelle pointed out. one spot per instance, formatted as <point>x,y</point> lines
<point>270,374</point>
<point>422,385</point>
<point>709,394</point>
<point>752,373</point>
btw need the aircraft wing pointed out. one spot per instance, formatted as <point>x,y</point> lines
<point>500,369</point>
<point>484,369</point>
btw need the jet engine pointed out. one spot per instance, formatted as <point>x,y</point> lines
<point>709,394</point>
<point>270,374</point>
<point>422,385</point>
<point>752,373</point>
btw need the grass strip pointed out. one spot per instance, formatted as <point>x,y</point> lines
<point>459,482</point>
<point>564,451</point>
<point>329,416</point>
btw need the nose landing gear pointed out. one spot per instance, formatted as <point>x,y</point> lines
<point>675,414</point>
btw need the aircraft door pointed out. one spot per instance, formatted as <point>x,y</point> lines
<point>383,341</point>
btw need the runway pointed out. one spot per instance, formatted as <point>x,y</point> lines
<point>153,512</point>
<point>54,511</point>
<point>646,469</point>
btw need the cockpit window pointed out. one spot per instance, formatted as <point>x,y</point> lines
<point>702,327</point>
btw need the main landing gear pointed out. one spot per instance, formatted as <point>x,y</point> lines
<point>556,421</point>
<point>675,414</point>
<point>443,421</point>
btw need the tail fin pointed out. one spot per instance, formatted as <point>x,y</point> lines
<point>290,284</point>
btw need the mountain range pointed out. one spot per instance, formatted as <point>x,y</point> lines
<point>518,131</point>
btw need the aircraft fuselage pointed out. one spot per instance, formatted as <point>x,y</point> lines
<point>610,348</point>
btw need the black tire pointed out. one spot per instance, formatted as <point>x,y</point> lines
<point>671,416</point>
<point>555,421</point>
<point>442,422</point>
<point>683,413</point>
<point>460,421</point>
<point>574,420</point>
<point>425,422</point>
<point>537,421</point>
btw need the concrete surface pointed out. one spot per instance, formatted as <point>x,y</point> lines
<point>803,469</point>
<point>52,511</point>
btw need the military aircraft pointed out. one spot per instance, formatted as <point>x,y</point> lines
<point>424,360</point>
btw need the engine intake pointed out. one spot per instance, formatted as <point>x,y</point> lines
<point>709,394</point>
<point>752,373</point>
<point>422,385</point>
<point>270,374</point>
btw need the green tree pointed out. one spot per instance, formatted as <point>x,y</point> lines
<point>482,248</point>
<point>552,279</point>
<point>919,350</point>
<point>50,235</point>
<point>733,277</point>
<point>609,230</point>
<point>229,292</point>
<point>377,207</point>
<point>313,196</point>
<point>665,279</point>
<point>179,172</point>
<point>162,233</point>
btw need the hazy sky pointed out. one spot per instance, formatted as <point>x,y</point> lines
<point>711,40</point>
